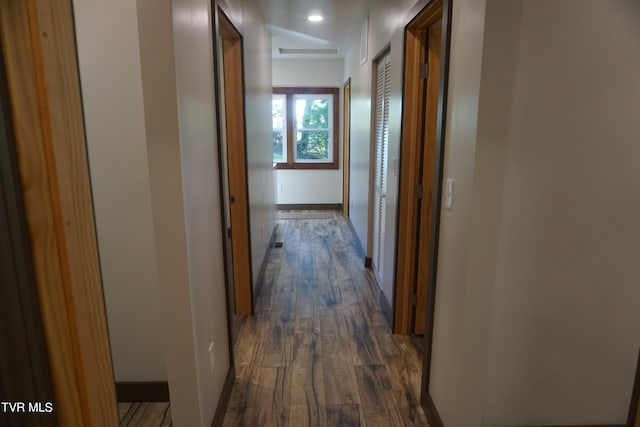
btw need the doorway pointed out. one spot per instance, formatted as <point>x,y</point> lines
<point>419,153</point>
<point>233,163</point>
<point>426,53</point>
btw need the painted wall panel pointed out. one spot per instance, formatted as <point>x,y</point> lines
<point>109,57</point>
<point>360,140</point>
<point>193,49</point>
<point>566,324</point>
<point>454,320</point>
<point>262,176</point>
<point>473,311</point>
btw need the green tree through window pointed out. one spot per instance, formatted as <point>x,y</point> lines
<point>279,118</point>
<point>313,144</point>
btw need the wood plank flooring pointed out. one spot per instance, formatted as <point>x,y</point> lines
<point>318,351</point>
<point>150,414</point>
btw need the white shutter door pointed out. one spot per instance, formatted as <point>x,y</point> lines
<point>383,77</point>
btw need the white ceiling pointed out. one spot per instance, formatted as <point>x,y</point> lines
<point>290,28</point>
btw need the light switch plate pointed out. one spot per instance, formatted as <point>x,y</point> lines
<point>448,194</point>
<point>212,358</point>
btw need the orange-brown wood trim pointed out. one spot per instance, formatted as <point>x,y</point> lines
<point>289,106</point>
<point>434,40</point>
<point>410,158</point>
<point>237,160</point>
<point>427,17</point>
<point>409,175</point>
<point>346,156</point>
<point>42,72</point>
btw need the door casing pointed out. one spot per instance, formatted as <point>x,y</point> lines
<point>25,374</point>
<point>421,147</point>
<point>432,42</point>
<point>424,14</point>
<point>346,146</point>
<point>231,71</point>
<point>39,49</point>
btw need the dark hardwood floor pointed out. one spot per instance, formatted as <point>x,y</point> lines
<point>318,351</point>
<point>149,414</point>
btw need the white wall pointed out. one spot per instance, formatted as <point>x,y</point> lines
<point>293,185</point>
<point>183,289</point>
<point>566,324</point>
<point>359,139</point>
<point>109,56</point>
<point>193,49</point>
<point>457,371</point>
<point>182,145</point>
<point>262,177</point>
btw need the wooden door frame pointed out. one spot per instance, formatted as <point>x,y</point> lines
<point>234,322</point>
<point>424,14</point>
<point>410,160</point>
<point>232,71</point>
<point>346,146</point>
<point>26,373</point>
<point>432,56</point>
<point>39,49</point>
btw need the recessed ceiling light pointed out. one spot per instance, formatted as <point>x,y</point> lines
<point>315,18</point>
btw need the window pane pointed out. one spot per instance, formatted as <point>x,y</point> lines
<point>312,145</point>
<point>279,119</point>
<point>279,151</point>
<point>312,113</point>
<point>278,113</point>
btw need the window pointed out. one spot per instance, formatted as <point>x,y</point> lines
<point>279,114</point>
<point>305,131</point>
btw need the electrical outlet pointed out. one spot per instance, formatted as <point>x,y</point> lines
<point>212,358</point>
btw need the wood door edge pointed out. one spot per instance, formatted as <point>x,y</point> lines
<point>42,73</point>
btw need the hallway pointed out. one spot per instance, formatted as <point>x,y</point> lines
<point>318,350</point>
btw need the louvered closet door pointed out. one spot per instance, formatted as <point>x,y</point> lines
<point>381,141</point>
